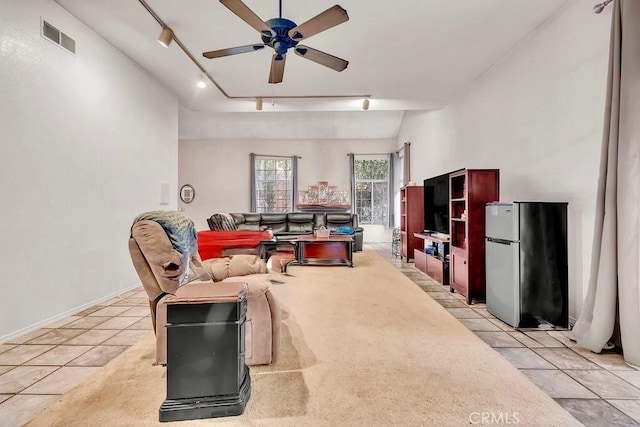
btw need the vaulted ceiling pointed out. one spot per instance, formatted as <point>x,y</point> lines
<point>403,54</point>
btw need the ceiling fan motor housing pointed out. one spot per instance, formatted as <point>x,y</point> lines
<point>282,34</point>
<point>281,42</point>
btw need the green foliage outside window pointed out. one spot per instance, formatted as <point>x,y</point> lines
<point>372,186</point>
<point>274,181</point>
<point>372,169</point>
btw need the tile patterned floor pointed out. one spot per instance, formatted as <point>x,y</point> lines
<point>37,368</point>
<point>597,389</point>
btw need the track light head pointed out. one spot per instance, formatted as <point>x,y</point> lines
<point>365,104</point>
<point>166,36</point>
<point>202,83</point>
<point>259,104</point>
<point>600,6</point>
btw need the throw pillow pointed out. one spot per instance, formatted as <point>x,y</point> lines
<point>344,230</point>
<point>218,222</point>
<point>222,221</point>
<point>229,221</point>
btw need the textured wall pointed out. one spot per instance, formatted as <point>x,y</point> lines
<point>85,142</point>
<point>537,116</point>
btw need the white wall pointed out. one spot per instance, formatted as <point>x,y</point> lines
<point>219,169</point>
<point>537,116</point>
<point>85,142</point>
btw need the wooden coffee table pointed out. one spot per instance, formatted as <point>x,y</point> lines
<point>337,249</point>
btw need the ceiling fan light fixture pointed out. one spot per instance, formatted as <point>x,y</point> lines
<point>166,36</point>
<point>259,104</point>
<point>365,104</point>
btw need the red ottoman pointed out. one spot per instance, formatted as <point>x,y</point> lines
<point>212,243</point>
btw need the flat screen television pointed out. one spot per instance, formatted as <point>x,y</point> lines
<point>436,204</point>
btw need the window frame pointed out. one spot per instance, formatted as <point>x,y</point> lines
<point>372,182</point>
<point>260,178</point>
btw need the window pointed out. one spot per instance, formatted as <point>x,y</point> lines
<point>372,189</point>
<point>274,184</point>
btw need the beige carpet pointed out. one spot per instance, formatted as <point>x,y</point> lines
<point>361,346</point>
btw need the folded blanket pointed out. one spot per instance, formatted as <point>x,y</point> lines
<point>181,232</point>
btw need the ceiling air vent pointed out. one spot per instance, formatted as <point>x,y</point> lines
<point>58,37</point>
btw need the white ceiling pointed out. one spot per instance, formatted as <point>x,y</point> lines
<point>405,54</point>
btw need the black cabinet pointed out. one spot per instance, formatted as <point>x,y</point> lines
<point>206,372</point>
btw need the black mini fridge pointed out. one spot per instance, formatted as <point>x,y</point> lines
<point>526,263</point>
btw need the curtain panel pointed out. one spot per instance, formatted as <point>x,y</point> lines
<point>352,173</point>
<point>294,181</point>
<point>614,282</point>
<point>392,181</point>
<point>406,158</point>
<point>252,180</point>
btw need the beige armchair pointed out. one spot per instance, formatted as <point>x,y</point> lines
<point>165,271</point>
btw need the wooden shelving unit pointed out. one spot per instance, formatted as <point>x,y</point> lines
<point>435,266</point>
<point>469,191</point>
<point>411,219</point>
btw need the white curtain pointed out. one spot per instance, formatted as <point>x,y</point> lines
<point>614,284</point>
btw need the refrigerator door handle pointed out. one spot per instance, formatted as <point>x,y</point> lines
<point>500,241</point>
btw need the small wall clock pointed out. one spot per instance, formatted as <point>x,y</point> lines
<point>187,193</point>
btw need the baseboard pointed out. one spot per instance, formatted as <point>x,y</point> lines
<point>65,314</point>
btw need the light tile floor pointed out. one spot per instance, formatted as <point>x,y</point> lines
<point>37,368</point>
<point>597,389</point>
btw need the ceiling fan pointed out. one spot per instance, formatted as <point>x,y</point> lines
<point>282,34</point>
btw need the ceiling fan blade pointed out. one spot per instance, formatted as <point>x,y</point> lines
<point>277,68</point>
<point>329,18</point>
<point>232,51</point>
<point>321,58</point>
<point>247,15</point>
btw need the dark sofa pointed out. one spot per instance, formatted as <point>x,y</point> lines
<point>292,224</point>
